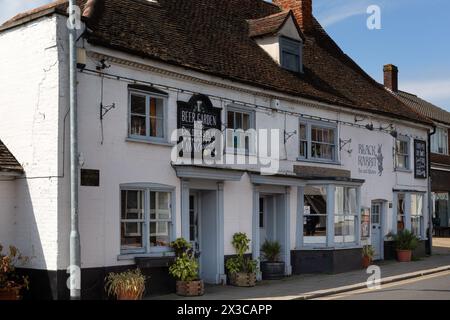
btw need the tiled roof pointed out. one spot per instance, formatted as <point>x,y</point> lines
<point>212,36</point>
<point>269,25</point>
<point>425,108</point>
<point>7,161</point>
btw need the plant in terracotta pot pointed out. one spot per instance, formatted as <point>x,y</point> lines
<point>405,243</point>
<point>128,285</point>
<point>367,256</point>
<point>242,269</point>
<point>185,270</point>
<point>272,268</point>
<point>11,284</point>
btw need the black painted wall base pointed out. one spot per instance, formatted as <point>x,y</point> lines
<point>325,261</point>
<point>390,253</point>
<point>51,285</point>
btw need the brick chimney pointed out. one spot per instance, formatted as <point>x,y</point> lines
<point>391,77</point>
<point>302,10</point>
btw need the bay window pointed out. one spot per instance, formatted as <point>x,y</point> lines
<point>417,214</point>
<point>330,216</point>
<point>315,215</point>
<point>345,215</point>
<point>410,212</point>
<point>317,141</point>
<point>146,219</point>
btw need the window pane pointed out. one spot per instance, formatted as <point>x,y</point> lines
<point>246,121</point>
<point>137,126</point>
<point>400,212</point>
<point>291,61</point>
<point>159,234</point>
<point>138,104</point>
<point>238,120</point>
<point>303,149</point>
<point>302,131</point>
<point>315,219</point>
<point>344,229</point>
<point>231,119</point>
<point>163,205</point>
<point>156,127</point>
<point>131,235</point>
<point>261,212</point>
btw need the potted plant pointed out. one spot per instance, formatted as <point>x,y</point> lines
<point>242,269</point>
<point>128,285</point>
<point>367,256</point>
<point>272,268</point>
<point>405,243</point>
<point>185,270</point>
<point>11,284</point>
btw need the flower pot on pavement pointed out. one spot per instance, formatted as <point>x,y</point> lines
<point>241,279</point>
<point>10,294</point>
<point>190,288</point>
<point>366,261</point>
<point>404,255</point>
<point>272,270</point>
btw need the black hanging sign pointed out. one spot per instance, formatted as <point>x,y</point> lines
<point>199,108</point>
<point>420,159</point>
<point>200,111</point>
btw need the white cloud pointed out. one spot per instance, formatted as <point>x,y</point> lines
<point>9,8</point>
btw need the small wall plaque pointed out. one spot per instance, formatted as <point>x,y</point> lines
<point>90,178</point>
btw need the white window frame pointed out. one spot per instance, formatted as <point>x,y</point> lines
<point>346,214</point>
<point>252,118</point>
<point>439,140</point>
<point>147,188</point>
<point>407,216</point>
<point>330,218</point>
<point>321,124</point>
<point>148,137</point>
<point>408,155</point>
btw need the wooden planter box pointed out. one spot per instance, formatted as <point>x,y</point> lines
<point>10,294</point>
<point>190,288</point>
<point>243,279</point>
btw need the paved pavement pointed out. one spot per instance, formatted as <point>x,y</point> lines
<point>431,287</point>
<point>295,287</point>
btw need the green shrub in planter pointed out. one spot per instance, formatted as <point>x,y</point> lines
<point>185,270</point>
<point>242,269</point>
<point>405,240</point>
<point>272,268</point>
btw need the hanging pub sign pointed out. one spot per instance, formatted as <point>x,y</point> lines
<point>420,159</point>
<point>197,113</point>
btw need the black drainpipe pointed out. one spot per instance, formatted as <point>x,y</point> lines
<point>430,199</point>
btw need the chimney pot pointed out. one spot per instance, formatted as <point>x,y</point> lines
<point>302,10</point>
<point>391,77</point>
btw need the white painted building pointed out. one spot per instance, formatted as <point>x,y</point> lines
<point>336,162</point>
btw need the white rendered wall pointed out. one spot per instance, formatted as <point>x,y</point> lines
<point>29,127</point>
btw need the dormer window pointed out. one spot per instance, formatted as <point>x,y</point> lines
<point>291,54</point>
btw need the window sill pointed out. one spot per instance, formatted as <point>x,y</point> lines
<point>403,170</point>
<point>132,256</point>
<point>335,163</point>
<point>151,141</point>
<point>239,152</point>
<point>324,248</point>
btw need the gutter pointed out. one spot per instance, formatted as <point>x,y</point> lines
<point>75,248</point>
<point>430,199</point>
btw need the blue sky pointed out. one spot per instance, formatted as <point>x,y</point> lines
<point>414,35</point>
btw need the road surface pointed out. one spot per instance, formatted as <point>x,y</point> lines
<point>431,287</point>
